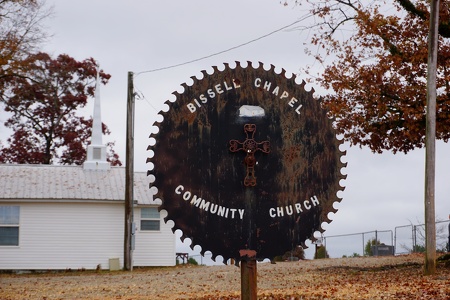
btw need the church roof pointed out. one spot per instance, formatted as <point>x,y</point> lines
<point>70,183</point>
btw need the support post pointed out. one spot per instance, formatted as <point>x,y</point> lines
<point>448,243</point>
<point>129,179</point>
<point>430,143</point>
<point>248,279</point>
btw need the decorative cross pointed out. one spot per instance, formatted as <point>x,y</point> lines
<point>250,146</point>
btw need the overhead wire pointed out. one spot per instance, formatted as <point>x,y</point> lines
<point>223,51</point>
<point>142,96</point>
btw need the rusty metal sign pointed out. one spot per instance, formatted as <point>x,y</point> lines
<point>246,161</point>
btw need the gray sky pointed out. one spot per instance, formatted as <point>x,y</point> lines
<point>382,191</point>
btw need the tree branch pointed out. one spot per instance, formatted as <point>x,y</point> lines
<point>444,26</point>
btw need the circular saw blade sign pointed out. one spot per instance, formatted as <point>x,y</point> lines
<point>246,161</point>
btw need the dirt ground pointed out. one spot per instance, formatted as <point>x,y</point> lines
<point>398,277</point>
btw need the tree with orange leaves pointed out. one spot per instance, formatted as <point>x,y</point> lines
<point>377,76</point>
<point>21,33</point>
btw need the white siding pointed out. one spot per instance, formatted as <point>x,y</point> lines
<point>154,248</point>
<point>80,235</point>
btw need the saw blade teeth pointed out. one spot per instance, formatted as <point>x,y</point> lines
<point>151,178</point>
<point>164,213</point>
<point>244,64</point>
<point>294,77</point>
<point>174,229</point>
<point>183,238</point>
<point>170,223</point>
<point>153,135</point>
<point>153,190</point>
<point>302,84</point>
<point>238,64</point>
<point>205,74</point>
<point>180,233</point>
<point>185,87</point>
<point>192,245</point>
<point>150,154</point>
<point>176,94</point>
<point>154,129</point>
<point>216,70</point>
<point>165,108</point>
<point>152,141</point>
<point>159,118</point>
<point>200,76</point>
<point>195,80</point>
<point>342,165</point>
<point>272,69</point>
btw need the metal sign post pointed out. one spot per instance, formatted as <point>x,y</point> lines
<point>248,279</point>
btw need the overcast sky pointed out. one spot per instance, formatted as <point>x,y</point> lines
<point>382,191</point>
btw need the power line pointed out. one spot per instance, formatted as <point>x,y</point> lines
<point>223,51</point>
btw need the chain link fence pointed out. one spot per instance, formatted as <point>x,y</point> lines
<point>404,239</point>
<point>411,238</point>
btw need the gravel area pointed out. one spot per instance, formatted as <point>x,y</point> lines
<point>398,277</point>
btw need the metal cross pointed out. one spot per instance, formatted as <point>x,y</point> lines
<point>250,146</point>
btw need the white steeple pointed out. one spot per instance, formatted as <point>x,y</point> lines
<point>96,151</point>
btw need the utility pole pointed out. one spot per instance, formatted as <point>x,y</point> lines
<point>129,172</point>
<point>430,144</point>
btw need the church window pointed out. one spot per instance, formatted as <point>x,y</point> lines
<point>9,225</point>
<point>150,219</point>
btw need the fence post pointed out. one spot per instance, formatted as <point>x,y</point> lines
<point>376,244</point>
<point>392,241</point>
<point>448,243</point>
<point>363,254</point>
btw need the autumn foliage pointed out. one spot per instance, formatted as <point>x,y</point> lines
<point>398,277</point>
<point>42,95</point>
<point>375,57</point>
<point>43,105</point>
<point>21,32</point>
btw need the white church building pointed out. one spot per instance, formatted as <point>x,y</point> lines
<point>73,217</point>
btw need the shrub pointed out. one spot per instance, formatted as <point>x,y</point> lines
<point>321,252</point>
<point>368,247</point>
